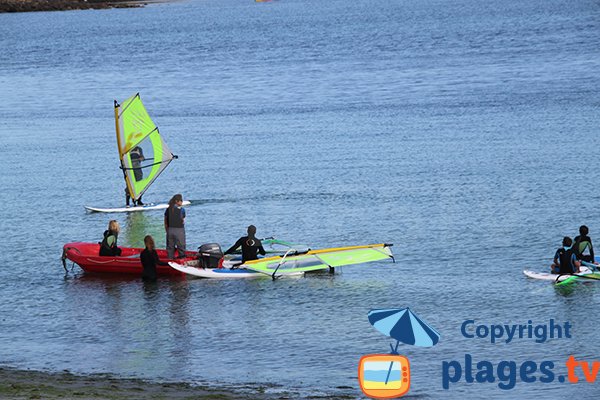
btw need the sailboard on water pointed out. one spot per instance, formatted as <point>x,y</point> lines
<point>143,153</point>
<point>293,263</point>
<point>314,260</point>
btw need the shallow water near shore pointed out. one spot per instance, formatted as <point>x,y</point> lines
<point>465,134</point>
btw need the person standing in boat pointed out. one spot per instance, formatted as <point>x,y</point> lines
<point>583,244</point>
<point>251,246</point>
<point>137,156</point>
<point>175,226</point>
<point>149,258</point>
<point>108,246</point>
<point>565,261</point>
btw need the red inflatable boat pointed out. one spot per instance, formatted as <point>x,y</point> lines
<point>86,256</point>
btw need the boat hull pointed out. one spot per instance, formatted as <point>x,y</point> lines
<point>86,256</point>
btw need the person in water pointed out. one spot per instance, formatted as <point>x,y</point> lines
<point>583,244</point>
<point>565,261</point>
<point>175,226</point>
<point>108,246</point>
<point>251,246</point>
<point>150,260</point>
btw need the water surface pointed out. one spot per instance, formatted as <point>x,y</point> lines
<point>464,133</point>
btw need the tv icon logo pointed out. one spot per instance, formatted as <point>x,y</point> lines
<point>384,376</point>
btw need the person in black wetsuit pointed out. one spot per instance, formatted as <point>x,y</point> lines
<point>565,261</point>
<point>108,246</point>
<point>137,156</point>
<point>128,199</point>
<point>251,246</point>
<point>150,260</point>
<point>582,243</point>
<point>175,226</point>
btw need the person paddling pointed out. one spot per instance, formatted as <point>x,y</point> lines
<point>583,244</point>
<point>108,246</point>
<point>150,260</point>
<point>251,246</point>
<point>565,261</point>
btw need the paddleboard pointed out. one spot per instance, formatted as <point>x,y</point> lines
<point>145,207</point>
<point>547,276</point>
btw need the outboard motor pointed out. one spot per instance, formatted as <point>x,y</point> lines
<point>210,255</point>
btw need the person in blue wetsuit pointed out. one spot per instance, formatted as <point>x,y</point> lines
<point>251,246</point>
<point>565,261</point>
<point>150,260</point>
<point>583,245</point>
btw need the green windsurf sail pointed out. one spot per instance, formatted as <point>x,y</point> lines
<point>314,260</point>
<point>143,153</point>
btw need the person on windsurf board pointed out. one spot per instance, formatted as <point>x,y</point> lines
<point>583,244</point>
<point>137,156</point>
<point>565,261</point>
<point>251,246</point>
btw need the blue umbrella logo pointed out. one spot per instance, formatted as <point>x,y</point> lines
<point>404,326</point>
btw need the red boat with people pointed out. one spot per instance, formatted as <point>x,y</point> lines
<point>86,255</point>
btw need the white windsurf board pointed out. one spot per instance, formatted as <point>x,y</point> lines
<point>145,207</point>
<point>217,273</point>
<point>547,276</point>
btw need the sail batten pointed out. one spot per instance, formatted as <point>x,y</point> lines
<point>142,151</point>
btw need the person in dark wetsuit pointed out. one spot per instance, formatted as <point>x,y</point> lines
<point>108,246</point>
<point>582,243</point>
<point>128,198</point>
<point>251,246</point>
<point>137,156</point>
<point>175,226</point>
<point>150,260</point>
<point>565,261</point>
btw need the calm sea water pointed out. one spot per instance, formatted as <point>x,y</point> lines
<point>464,132</point>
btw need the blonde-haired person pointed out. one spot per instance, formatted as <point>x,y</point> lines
<point>150,260</point>
<point>108,246</point>
<point>175,226</point>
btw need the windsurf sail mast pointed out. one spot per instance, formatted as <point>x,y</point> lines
<point>143,153</point>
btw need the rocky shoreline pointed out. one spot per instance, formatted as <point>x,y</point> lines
<point>8,6</point>
<point>16,384</point>
<point>22,384</point>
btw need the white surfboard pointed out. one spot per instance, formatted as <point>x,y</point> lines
<point>145,207</point>
<point>217,273</point>
<point>547,276</point>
